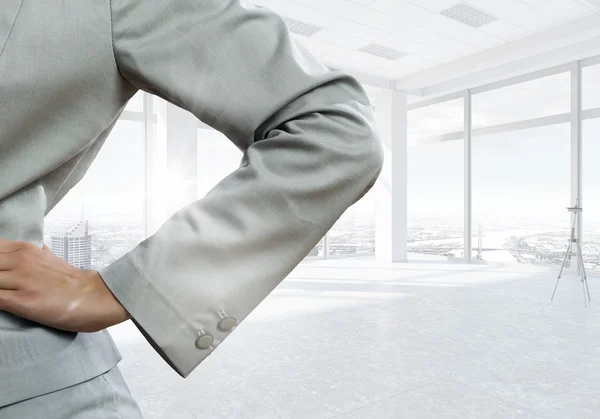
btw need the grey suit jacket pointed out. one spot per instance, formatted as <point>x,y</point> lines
<point>67,70</point>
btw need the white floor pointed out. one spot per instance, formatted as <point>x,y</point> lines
<point>353,339</point>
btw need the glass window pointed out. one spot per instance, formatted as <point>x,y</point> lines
<point>438,119</point>
<point>354,233</point>
<point>217,158</point>
<point>590,87</point>
<point>110,198</point>
<point>528,100</point>
<point>436,199</point>
<point>317,251</point>
<point>436,181</point>
<point>591,194</point>
<point>521,190</point>
<point>136,103</point>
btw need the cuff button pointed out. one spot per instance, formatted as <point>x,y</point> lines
<point>204,340</point>
<point>227,323</point>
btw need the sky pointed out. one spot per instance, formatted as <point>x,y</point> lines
<point>517,176</point>
<point>114,182</point>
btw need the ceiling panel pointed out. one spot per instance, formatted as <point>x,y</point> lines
<point>356,13</point>
<point>405,42</point>
<point>362,2</point>
<point>534,3</point>
<point>412,62</point>
<point>433,53</point>
<point>505,30</point>
<point>360,60</point>
<point>435,5</point>
<point>433,39</point>
<point>416,15</point>
<point>299,12</point>
<point>359,30</point>
<point>342,40</point>
<point>416,28</point>
<point>516,12</point>
<point>402,44</point>
<point>592,4</point>
<point>564,10</point>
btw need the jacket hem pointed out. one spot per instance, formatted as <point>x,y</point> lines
<point>66,369</point>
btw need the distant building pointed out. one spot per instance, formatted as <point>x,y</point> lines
<point>75,246</point>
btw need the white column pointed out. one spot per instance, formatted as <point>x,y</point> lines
<point>182,163</point>
<point>156,165</point>
<point>172,163</point>
<point>576,157</point>
<point>149,164</point>
<point>391,188</point>
<point>468,177</point>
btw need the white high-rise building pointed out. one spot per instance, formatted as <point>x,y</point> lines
<point>75,246</point>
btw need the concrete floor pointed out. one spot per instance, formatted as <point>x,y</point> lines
<point>353,339</point>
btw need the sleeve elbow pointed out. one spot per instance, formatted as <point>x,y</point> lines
<point>372,147</point>
<point>375,155</point>
<point>373,160</point>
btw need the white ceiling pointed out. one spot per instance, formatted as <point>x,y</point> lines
<point>417,28</point>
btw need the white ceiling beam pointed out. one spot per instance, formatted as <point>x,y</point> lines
<point>380,82</point>
<point>435,80</point>
<point>534,63</point>
<point>505,82</point>
<point>595,4</point>
<point>369,79</point>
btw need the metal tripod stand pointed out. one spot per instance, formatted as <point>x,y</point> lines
<point>576,210</point>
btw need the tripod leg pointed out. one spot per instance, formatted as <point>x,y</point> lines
<point>584,299</point>
<point>561,269</point>
<point>584,275</point>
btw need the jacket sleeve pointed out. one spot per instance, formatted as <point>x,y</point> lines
<point>310,151</point>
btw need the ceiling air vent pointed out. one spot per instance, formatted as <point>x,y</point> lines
<point>383,52</point>
<point>468,15</point>
<point>301,28</point>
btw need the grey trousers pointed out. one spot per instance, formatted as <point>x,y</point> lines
<point>106,396</point>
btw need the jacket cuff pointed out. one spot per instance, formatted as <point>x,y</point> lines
<point>151,312</point>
